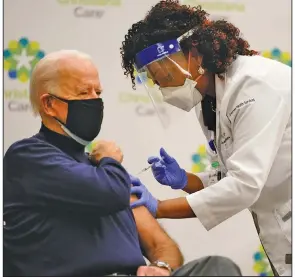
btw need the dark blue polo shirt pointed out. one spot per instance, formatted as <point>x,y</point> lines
<point>64,215</point>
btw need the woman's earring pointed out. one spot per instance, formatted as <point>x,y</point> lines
<point>201,70</point>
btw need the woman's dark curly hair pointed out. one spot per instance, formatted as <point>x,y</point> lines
<point>219,42</point>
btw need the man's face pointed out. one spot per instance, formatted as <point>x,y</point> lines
<point>77,79</point>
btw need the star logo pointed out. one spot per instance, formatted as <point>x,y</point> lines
<point>20,58</point>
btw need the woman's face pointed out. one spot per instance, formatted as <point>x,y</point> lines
<point>172,71</point>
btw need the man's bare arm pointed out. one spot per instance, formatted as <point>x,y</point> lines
<point>154,240</point>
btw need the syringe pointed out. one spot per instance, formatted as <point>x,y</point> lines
<point>144,169</point>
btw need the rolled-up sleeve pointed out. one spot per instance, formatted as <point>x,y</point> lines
<point>257,130</point>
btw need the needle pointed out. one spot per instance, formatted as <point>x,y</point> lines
<point>144,169</point>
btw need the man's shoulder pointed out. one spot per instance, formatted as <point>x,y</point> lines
<point>25,146</point>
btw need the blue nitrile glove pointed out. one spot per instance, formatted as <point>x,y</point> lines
<point>145,197</point>
<point>167,171</point>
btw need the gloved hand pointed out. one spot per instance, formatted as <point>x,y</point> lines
<point>145,197</point>
<point>167,171</point>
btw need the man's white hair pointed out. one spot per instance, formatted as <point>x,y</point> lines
<point>44,78</point>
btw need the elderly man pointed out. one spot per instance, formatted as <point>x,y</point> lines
<point>68,213</point>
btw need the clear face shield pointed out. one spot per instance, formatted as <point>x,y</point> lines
<point>165,72</point>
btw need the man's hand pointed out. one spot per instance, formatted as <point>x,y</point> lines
<point>152,271</point>
<point>106,149</point>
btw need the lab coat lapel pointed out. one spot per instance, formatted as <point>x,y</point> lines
<point>220,90</point>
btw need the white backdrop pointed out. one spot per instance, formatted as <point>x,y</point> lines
<point>97,27</point>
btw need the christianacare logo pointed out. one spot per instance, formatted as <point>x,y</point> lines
<point>89,9</point>
<point>218,6</point>
<point>20,58</point>
<point>140,99</point>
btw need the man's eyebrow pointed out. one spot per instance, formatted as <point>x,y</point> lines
<point>82,87</point>
<point>87,87</point>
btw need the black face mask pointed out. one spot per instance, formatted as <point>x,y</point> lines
<point>84,118</point>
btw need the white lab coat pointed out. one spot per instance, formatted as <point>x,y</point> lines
<point>253,139</point>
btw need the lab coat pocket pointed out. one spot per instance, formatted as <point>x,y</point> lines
<point>283,215</point>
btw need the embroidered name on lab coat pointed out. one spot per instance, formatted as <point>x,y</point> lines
<point>242,104</point>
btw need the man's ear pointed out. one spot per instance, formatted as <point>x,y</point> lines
<point>46,103</point>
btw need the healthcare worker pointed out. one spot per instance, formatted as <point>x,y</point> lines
<point>243,102</point>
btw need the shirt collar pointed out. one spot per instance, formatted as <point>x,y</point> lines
<point>63,142</point>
